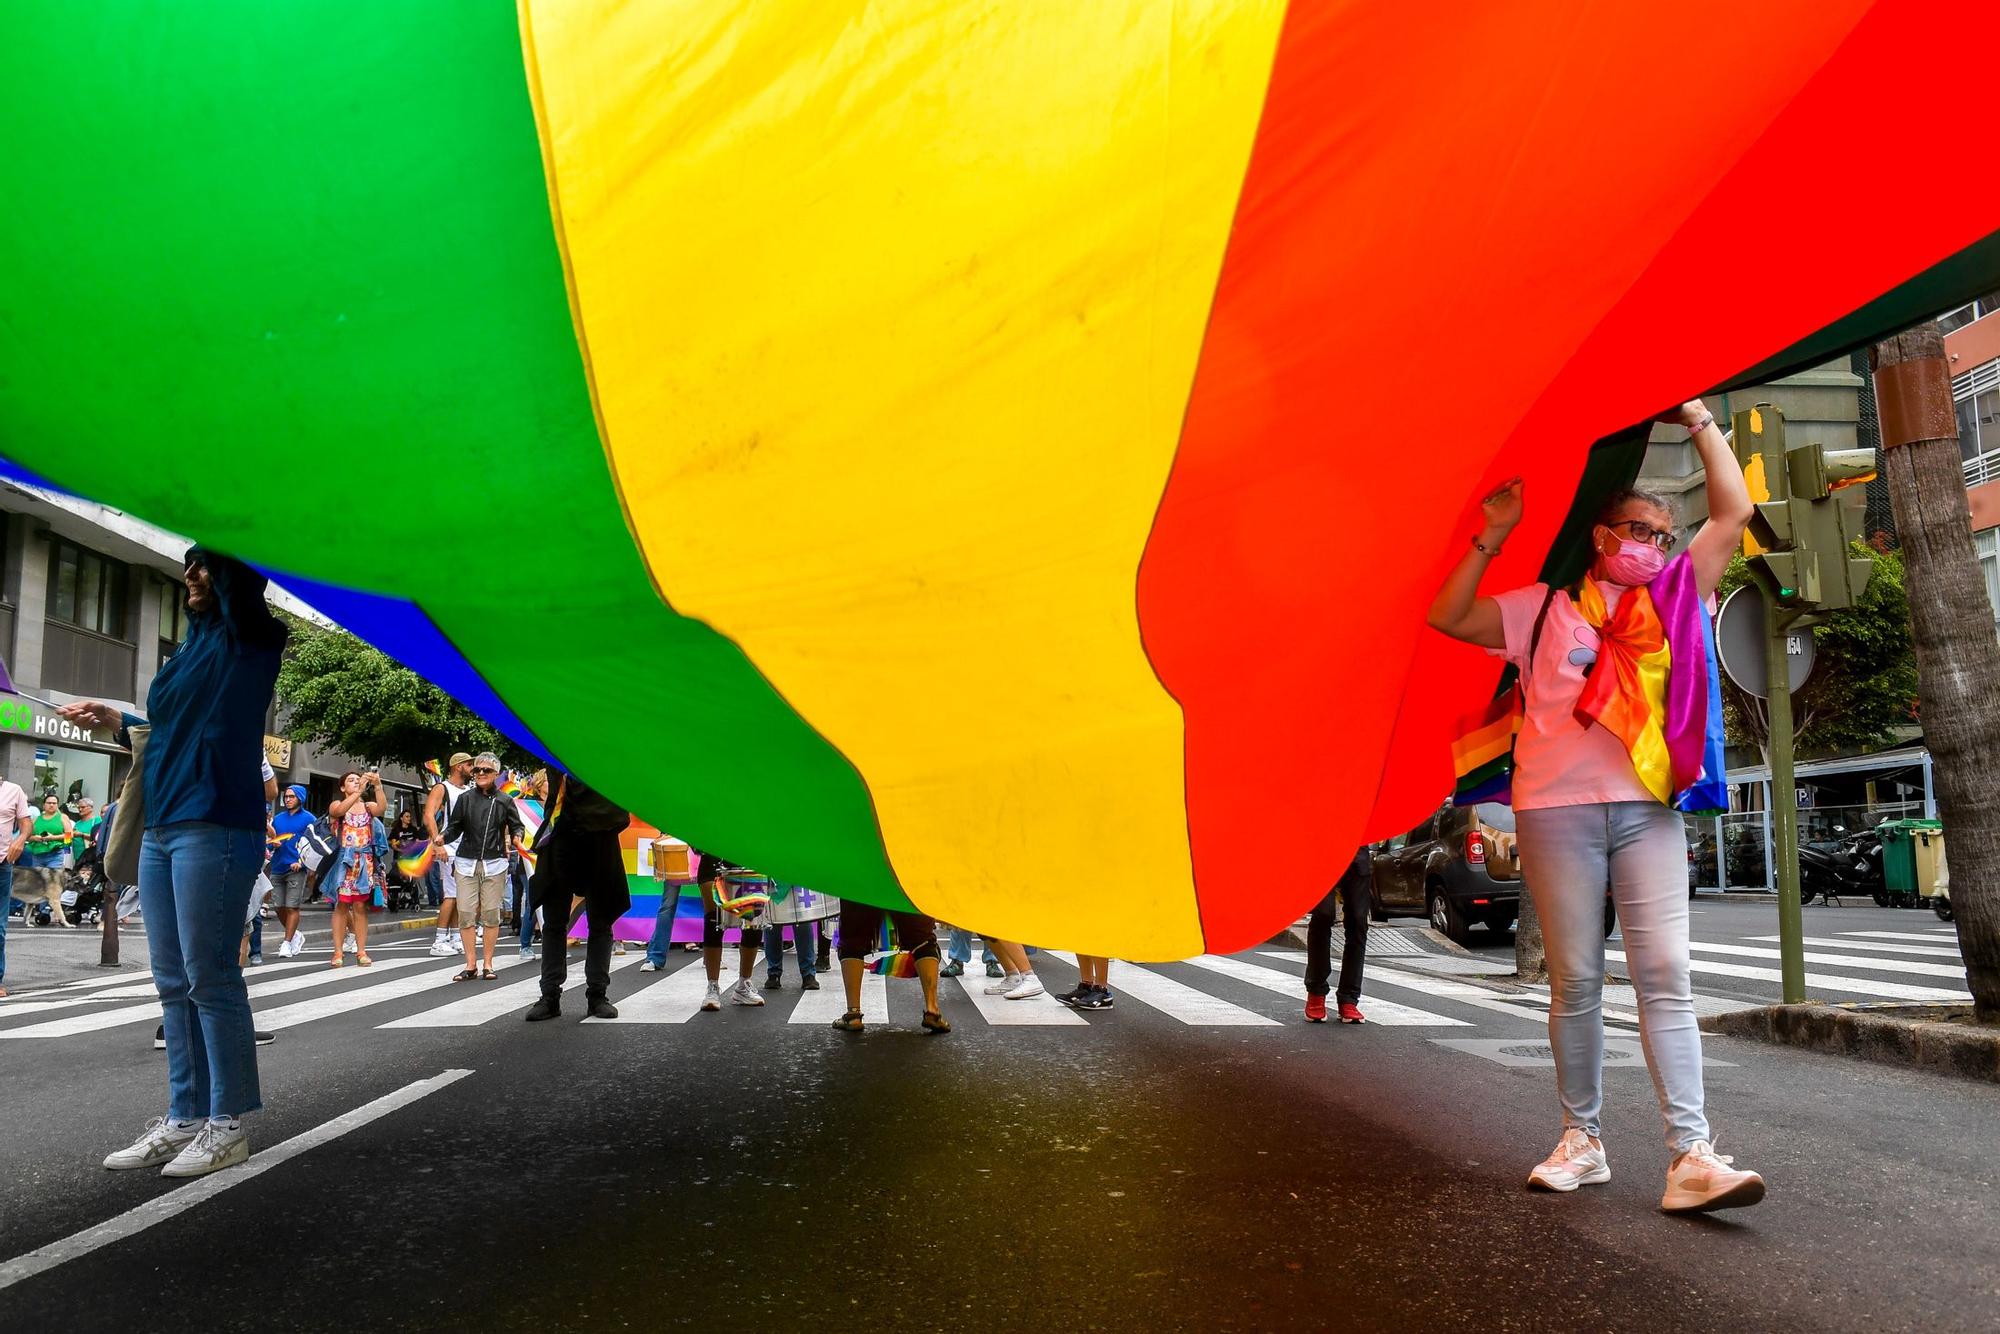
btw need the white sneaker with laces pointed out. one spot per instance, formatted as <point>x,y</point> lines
<point>1028,987</point>
<point>161,1141</point>
<point>713,1000</point>
<point>650,967</point>
<point>441,947</point>
<point>213,1148</point>
<point>285,948</point>
<point>1702,1179</point>
<point>1577,1161</point>
<point>298,942</point>
<point>744,994</point>
<point>1004,985</point>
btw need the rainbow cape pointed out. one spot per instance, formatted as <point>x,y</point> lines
<point>949,422</point>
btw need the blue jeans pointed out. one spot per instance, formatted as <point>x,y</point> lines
<point>6,910</point>
<point>805,943</point>
<point>961,947</point>
<point>194,885</point>
<point>663,926</point>
<point>1569,855</point>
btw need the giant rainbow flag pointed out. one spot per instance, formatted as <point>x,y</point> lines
<point>992,454</point>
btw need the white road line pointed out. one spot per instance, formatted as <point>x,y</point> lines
<point>998,1010</point>
<point>1928,938</point>
<point>1462,992</point>
<point>1176,1000</point>
<point>827,1004</point>
<point>1880,947</point>
<point>1293,986</point>
<point>149,1013</point>
<point>490,1002</point>
<point>178,1201</point>
<point>1849,960</point>
<point>360,998</point>
<point>129,991</point>
<point>674,999</point>
<point>1849,986</point>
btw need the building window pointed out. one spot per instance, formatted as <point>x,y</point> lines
<point>173,617</point>
<point>1970,311</point>
<point>87,590</point>
<point>1987,546</point>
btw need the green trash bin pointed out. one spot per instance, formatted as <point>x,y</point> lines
<point>1900,841</point>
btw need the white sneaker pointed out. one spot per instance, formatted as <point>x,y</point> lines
<point>650,967</point>
<point>1004,985</point>
<point>347,946</point>
<point>713,1000</point>
<point>298,943</point>
<point>285,948</point>
<point>442,947</point>
<point>212,1149</point>
<point>1575,1162</point>
<point>1029,988</point>
<point>1702,1179</point>
<point>161,1142</point>
<point>744,994</point>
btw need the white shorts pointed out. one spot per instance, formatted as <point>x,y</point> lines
<point>448,876</point>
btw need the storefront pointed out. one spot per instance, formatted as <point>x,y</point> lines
<point>46,753</point>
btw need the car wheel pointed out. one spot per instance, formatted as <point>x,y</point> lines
<point>1941,905</point>
<point>1445,916</point>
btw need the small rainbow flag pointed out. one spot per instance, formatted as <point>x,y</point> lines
<point>510,786</point>
<point>414,858</point>
<point>896,963</point>
<point>744,905</point>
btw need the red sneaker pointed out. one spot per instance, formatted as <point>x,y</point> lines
<point>1315,1009</point>
<point>1349,1014</point>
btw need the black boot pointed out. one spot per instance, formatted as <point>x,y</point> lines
<point>601,1008</point>
<point>548,1007</point>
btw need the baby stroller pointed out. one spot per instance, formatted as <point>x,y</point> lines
<point>83,889</point>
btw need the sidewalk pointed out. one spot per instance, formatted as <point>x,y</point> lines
<point>50,956</point>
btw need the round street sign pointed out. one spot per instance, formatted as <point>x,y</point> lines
<point>1739,642</point>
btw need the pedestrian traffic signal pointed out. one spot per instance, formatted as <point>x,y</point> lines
<point>1809,512</point>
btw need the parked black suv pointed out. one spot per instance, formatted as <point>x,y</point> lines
<point>1456,868</point>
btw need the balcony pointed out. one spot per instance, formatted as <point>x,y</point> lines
<point>86,663</point>
<point>1982,468</point>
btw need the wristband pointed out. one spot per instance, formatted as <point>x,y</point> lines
<point>1489,552</point>
<point>1707,420</point>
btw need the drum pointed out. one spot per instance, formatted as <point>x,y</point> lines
<point>743,883</point>
<point>673,861</point>
<point>798,905</point>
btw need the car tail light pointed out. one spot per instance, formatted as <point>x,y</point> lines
<point>1480,903</point>
<point>1475,848</point>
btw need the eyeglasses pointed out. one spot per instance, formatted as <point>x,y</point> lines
<point>482,769</point>
<point>1644,532</point>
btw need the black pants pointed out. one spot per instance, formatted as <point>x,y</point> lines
<point>1352,897</point>
<point>590,865</point>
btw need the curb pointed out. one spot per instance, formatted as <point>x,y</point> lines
<point>1913,1035</point>
<point>325,933</point>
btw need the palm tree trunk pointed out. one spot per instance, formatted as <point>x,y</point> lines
<point>1531,960</point>
<point>1951,622</point>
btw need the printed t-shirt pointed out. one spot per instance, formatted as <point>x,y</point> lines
<point>1558,761</point>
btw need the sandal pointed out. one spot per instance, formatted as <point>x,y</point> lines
<point>337,962</point>
<point>363,961</point>
<point>936,1022</point>
<point>469,975</point>
<point>849,1022</point>
<point>489,976</point>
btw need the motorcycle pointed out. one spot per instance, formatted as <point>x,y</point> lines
<point>1849,864</point>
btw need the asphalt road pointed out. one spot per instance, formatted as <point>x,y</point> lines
<point>1195,1160</point>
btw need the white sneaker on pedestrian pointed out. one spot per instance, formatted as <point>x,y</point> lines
<point>347,946</point>
<point>744,994</point>
<point>1029,987</point>
<point>442,946</point>
<point>285,948</point>
<point>1577,1161</point>
<point>298,943</point>
<point>650,967</point>
<point>213,1148</point>
<point>528,955</point>
<point>161,1142</point>
<point>1702,1179</point>
<point>713,1000</point>
<point>1004,985</point>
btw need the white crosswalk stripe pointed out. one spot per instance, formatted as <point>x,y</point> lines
<point>674,999</point>
<point>827,1004</point>
<point>346,1002</point>
<point>1879,947</point>
<point>1176,1000</point>
<point>490,1002</point>
<point>1293,986</point>
<point>1043,1009</point>
<point>1852,961</point>
<point>98,1020</point>
<point>1928,938</point>
<point>1840,983</point>
<point>129,991</point>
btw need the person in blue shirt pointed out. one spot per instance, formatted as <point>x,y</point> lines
<point>290,881</point>
<point>204,819</point>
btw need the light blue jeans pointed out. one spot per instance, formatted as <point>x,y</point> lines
<point>663,927</point>
<point>1570,855</point>
<point>961,947</point>
<point>194,885</point>
<point>805,944</point>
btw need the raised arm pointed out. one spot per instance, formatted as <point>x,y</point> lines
<point>1729,503</point>
<point>1459,611</point>
<point>239,591</point>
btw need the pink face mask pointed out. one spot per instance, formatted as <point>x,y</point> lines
<point>1633,565</point>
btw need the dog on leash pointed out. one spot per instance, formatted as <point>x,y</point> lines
<point>37,884</point>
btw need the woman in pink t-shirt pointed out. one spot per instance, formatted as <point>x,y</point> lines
<point>1587,823</point>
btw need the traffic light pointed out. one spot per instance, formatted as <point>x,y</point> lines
<point>1809,505</point>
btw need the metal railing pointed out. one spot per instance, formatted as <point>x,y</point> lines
<point>1746,863</point>
<point>1982,468</point>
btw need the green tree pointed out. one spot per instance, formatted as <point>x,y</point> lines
<point>335,691</point>
<point>1864,681</point>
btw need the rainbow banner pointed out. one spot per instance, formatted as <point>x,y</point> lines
<point>1053,388</point>
<point>414,858</point>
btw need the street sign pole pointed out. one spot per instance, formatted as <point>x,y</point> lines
<point>1784,800</point>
